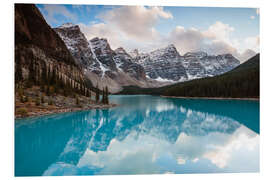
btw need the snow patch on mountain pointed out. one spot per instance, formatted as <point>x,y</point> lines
<point>164,65</point>
<point>167,64</point>
<point>102,68</point>
<point>66,25</point>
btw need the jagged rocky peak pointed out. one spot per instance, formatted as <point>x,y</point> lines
<point>199,64</point>
<point>168,52</point>
<point>72,36</point>
<point>103,52</point>
<point>163,64</point>
<point>227,56</point>
<point>101,42</point>
<point>228,59</point>
<point>120,50</point>
<point>171,47</point>
<point>199,54</point>
<point>76,43</point>
<point>124,62</point>
<point>68,25</point>
<point>134,53</point>
<point>101,46</point>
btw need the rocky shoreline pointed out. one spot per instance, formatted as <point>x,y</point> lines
<point>34,103</point>
<point>64,110</point>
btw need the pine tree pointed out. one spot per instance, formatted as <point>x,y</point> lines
<point>88,93</point>
<point>31,76</point>
<point>42,88</point>
<point>103,97</point>
<point>18,71</point>
<point>97,94</point>
<point>37,74</point>
<point>106,95</point>
<point>44,78</point>
<point>49,76</point>
<point>61,82</point>
<point>48,90</point>
<point>77,100</point>
<point>42,99</point>
<point>37,101</point>
<point>53,77</point>
<point>65,92</point>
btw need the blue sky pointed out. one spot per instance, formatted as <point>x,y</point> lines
<point>232,29</point>
<point>203,17</point>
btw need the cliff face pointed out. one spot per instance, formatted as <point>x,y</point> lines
<point>76,43</point>
<point>31,29</point>
<point>38,48</point>
<point>166,64</point>
<point>162,64</point>
<point>100,64</point>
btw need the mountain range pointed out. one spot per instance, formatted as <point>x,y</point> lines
<point>64,52</point>
<point>118,68</point>
<point>241,82</point>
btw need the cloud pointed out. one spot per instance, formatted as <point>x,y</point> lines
<point>186,39</point>
<point>134,27</point>
<point>253,43</point>
<point>136,21</point>
<point>117,38</point>
<point>252,17</point>
<point>82,8</point>
<point>99,30</point>
<point>241,140</point>
<point>219,31</point>
<point>52,10</point>
<point>215,40</point>
<point>247,54</point>
<point>220,47</point>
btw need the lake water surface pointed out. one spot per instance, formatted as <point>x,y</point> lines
<point>144,135</point>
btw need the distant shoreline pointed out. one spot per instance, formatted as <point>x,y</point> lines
<point>64,110</point>
<point>214,98</point>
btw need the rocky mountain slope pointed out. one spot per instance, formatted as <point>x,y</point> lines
<point>117,68</point>
<point>162,64</point>
<point>240,82</point>
<point>40,52</point>
<point>167,64</point>
<point>76,43</point>
<point>47,77</point>
<point>101,64</point>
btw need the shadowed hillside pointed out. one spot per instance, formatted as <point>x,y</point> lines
<point>47,77</point>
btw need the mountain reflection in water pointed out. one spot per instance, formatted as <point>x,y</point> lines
<point>144,135</point>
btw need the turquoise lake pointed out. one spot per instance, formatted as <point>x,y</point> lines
<point>143,135</point>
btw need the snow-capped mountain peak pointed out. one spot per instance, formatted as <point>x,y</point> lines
<point>67,25</point>
<point>101,46</point>
<point>163,64</point>
<point>169,50</point>
<point>199,54</point>
<point>134,53</point>
<point>120,50</point>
